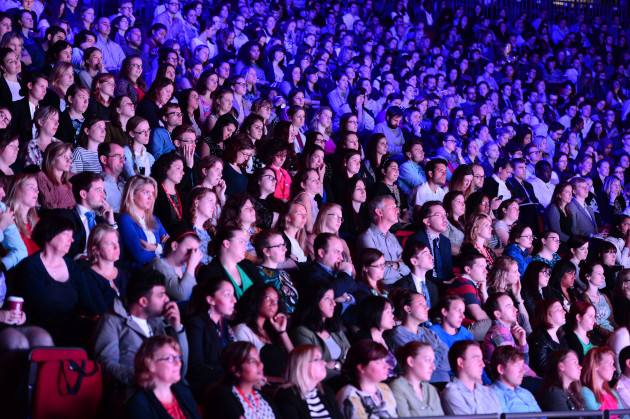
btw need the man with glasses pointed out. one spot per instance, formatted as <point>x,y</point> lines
<point>125,8</point>
<point>384,214</point>
<point>532,155</point>
<point>133,36</point>
<point>433,225</point>
<point>523,192</point>
<point>479,176</point>
<point>240,38</point>
<point>160,141</point>
<point>113,54</point>
<point>71,119</point>
<point>169,18</point>
<point>112,158</point>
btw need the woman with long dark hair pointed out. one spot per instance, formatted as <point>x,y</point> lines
<point>130,81</point>
<point>534,285</point>
<point>561,390</point>
<point>547,336</point>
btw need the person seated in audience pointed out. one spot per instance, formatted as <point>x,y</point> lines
<point>239,211</point>
<point>9,147</point>
<point>621,296</point>
<point>508,366</point>
<point>138,161</point>
<point>35,86</point>
<point>112,158</point>
<point>505,330</point>
<point>561,285</point>
<point>179,263</point>
<point>450,311</point>
<point>546,248</point>
<point>105,280</point>
<point>168,172</point>
<point>85,155</point>
<point>53,180</point>
<point>534,285</point>
<point>542,182</point>
<point>228,251</point>
<point>583,217</point>
<point>592,273</point>
<point>238,150</point>
<point>560,391</point>
<point>157,373</point>
<point>261,187</point>
<point>12,243</point>
<point>412,312</point>
<point>521,239</point>
<point>142,234</point>
<point>292,225</point>
<point>71,119</point>
<point>411,171</point>
<point>414,395</point>
<point>370,268</point>
<point>598,369</point>
<point>623,383</point>
<point>578,252</point>
<point>160,141</point>
<point>431,190</point>
<point>504,277</point>
<point>478,233</point>
<point>46,119</point>
<point>237,394</point>
<point>507,216</point>
<point>618,235</point>
<point>305,186</point>
<point>365,368</point>
<point>261,320</point>
<point>417,255</point>
<point>206,318</point>
<point>354,210</point>
<point>384,215</point>
<point>329,220</point>
<point>91,209</point>
<point>465,395</point>
<point>21,199</point>
<point>582,319</point>
<point>119,334</point>
<point>547,336</point>
<point>558,215</point>
<point>606,255</point>
<point>271,252</point>
<point>455,207</point>
<point>201,217</point>
<point>54,288</point>
<point>304,396</point>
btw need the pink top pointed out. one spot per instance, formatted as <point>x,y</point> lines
<point>609,402</point>
<point>53,196</point>
<point>283,187</point>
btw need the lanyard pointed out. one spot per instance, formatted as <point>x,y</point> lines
<point>247,400</point>
<point>178,211</point>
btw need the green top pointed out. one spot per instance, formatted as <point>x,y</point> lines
<point>245,280</point>
<point>586,346</point>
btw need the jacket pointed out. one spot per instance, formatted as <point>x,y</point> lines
<point>445,252</point>
<point>22,122</point>
<point>584,223</point>
<point>215,269</point>
<point>130,235</point>
<point>145,405</point>
<point>540,347</point>
<point>522,258</point>
<point>291,405</point>
<point>118,337</point>
<point>407,282</point>
<point>314,272</point>
<point>79,235</point>
<point>302,335</point>
<point>555,399</point>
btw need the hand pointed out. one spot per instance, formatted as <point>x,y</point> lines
<point>189,155</point>
<point>7,218</point>
<point>342,298</point>
<point>519,334</point>
<point>12,317</point>
<point>108,212</point>
<point>495,203</point>
<point>171,312</point>
<point>279,322</point>
<point>344,266</point>
<point>194,257</point>
<point>516,289</point>
<point>149,247</point>
<point>219,190</point>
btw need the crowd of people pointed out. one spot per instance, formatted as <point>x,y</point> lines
<point>318,209</point>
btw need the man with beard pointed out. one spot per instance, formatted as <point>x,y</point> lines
<point>391,129</point>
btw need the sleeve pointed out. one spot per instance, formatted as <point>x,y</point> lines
<point>13,243</point>
<point>439,348</point>
<point>107,351</point>
<point>590,403</point>
<point>139,407</point>
<point>200,368</point>
<point>553,220</point>
<point>77,161</point>
<point>402,404</point>
<point>130,236</point>
<point>410,176</point>
<point>453,403</point>
<point>85,297</point>
<point>128,165</point>
<point>178,289</point>
<point>156,142</point>
<point>286,402</point>
<point>97,296</point>
<point>303,336</point>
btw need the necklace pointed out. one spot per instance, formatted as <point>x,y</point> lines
<point>247,400</point>
<point>177,207</point>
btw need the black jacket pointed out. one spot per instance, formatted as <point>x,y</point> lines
<point>165,211</point>
<point>66,131</point>
<point>540,347</point>
<point>445,253</point>
<point>149,111</point>
<point>291,405</point>
<point>406,282</point>
<point>314,272</point>
<point>574,344</point>
<point>21,120</point>
<point>145,405</point>
<point>555,399</point>
<point>78,234</point>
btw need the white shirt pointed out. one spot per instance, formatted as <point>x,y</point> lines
<point>503,189</point>
<point>82,210</point>
<point>15,87</point>
<point>144,325</point>
<point>418,283</point>
<point>422,193</point>
<point>31,107</point>
<point>542,190</point>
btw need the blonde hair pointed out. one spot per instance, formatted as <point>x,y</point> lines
<point>13,202</point>
<point>497,277</point>
<point>128,205</point>
<point>142,374</point>
<point>314,125</point>
<point>94,240</point>
<point>473,225</point>
<point>297,368</point>
<point>320,221</point>
<point>58,72</point>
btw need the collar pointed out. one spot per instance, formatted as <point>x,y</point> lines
<point>495,177</point>
<point>326,268</point>
<point>82,210</point>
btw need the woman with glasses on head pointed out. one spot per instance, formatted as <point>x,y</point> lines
<point>236,396</point>
<point>54,187</point>
<point>46,119</point>
<point>121,111</point>
<point>521,238</point>
<point>101,95</point>
<point>157,373</point>
<point>138,161</point>
<point>271,252</point>
<point>546,248</point>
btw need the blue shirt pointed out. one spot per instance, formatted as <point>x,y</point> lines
<point>518,400</point>
<point>411,174</point>
<point>521,257</point>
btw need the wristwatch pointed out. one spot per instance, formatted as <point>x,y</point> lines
<point>337,366</point>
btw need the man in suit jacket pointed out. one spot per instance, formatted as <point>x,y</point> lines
<point>89,192</point>
<point>24,109</point>
<point>523,192</point>
<point>418,279</point>
<point>583,217</point>
<point>330,268</point>
<point>432,215</point>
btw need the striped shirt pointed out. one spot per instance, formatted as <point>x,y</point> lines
<point>315,406</point>
<point>85,161</point>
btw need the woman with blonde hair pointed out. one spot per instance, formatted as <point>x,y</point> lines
<point>598,369</point>
<point>60,79</point>
<point>505,277</point>
<point>304,396</point>
<point>46,119</point>
<point>292,223</point>
<point>476,235</point>
<point>106,282</point>
<point>201,213</point>
<point>329,220</point>
<point>322,123</point>
<point>55,189</point>
<point>21,198</point>
<point>142,233</point>
<point>157,373</point>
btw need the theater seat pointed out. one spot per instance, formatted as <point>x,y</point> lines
<point>63,383</point>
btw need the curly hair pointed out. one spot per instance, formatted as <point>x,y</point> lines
<point>143,377</point>
<point>163,164</point>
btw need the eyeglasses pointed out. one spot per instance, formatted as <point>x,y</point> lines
<point>4,117</point>
<point>248,155</point>
<point>118,156</point>
<point>442,215</point>
<point>240,83</point>
<point>478,176</point>
<point>379,266</point>
<point>530,236</point>
<point>485,203</point>
<point>553,239</point>
<point>172,359</point>
<point>546,273</point>
<point>338,217</point>
<point>143,132</point>
<point>175,113</point>
<point>270,177</point>
<point>139,66</point>
<point>279,246</point>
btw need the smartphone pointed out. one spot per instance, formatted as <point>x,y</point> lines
<point>500,197</point>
